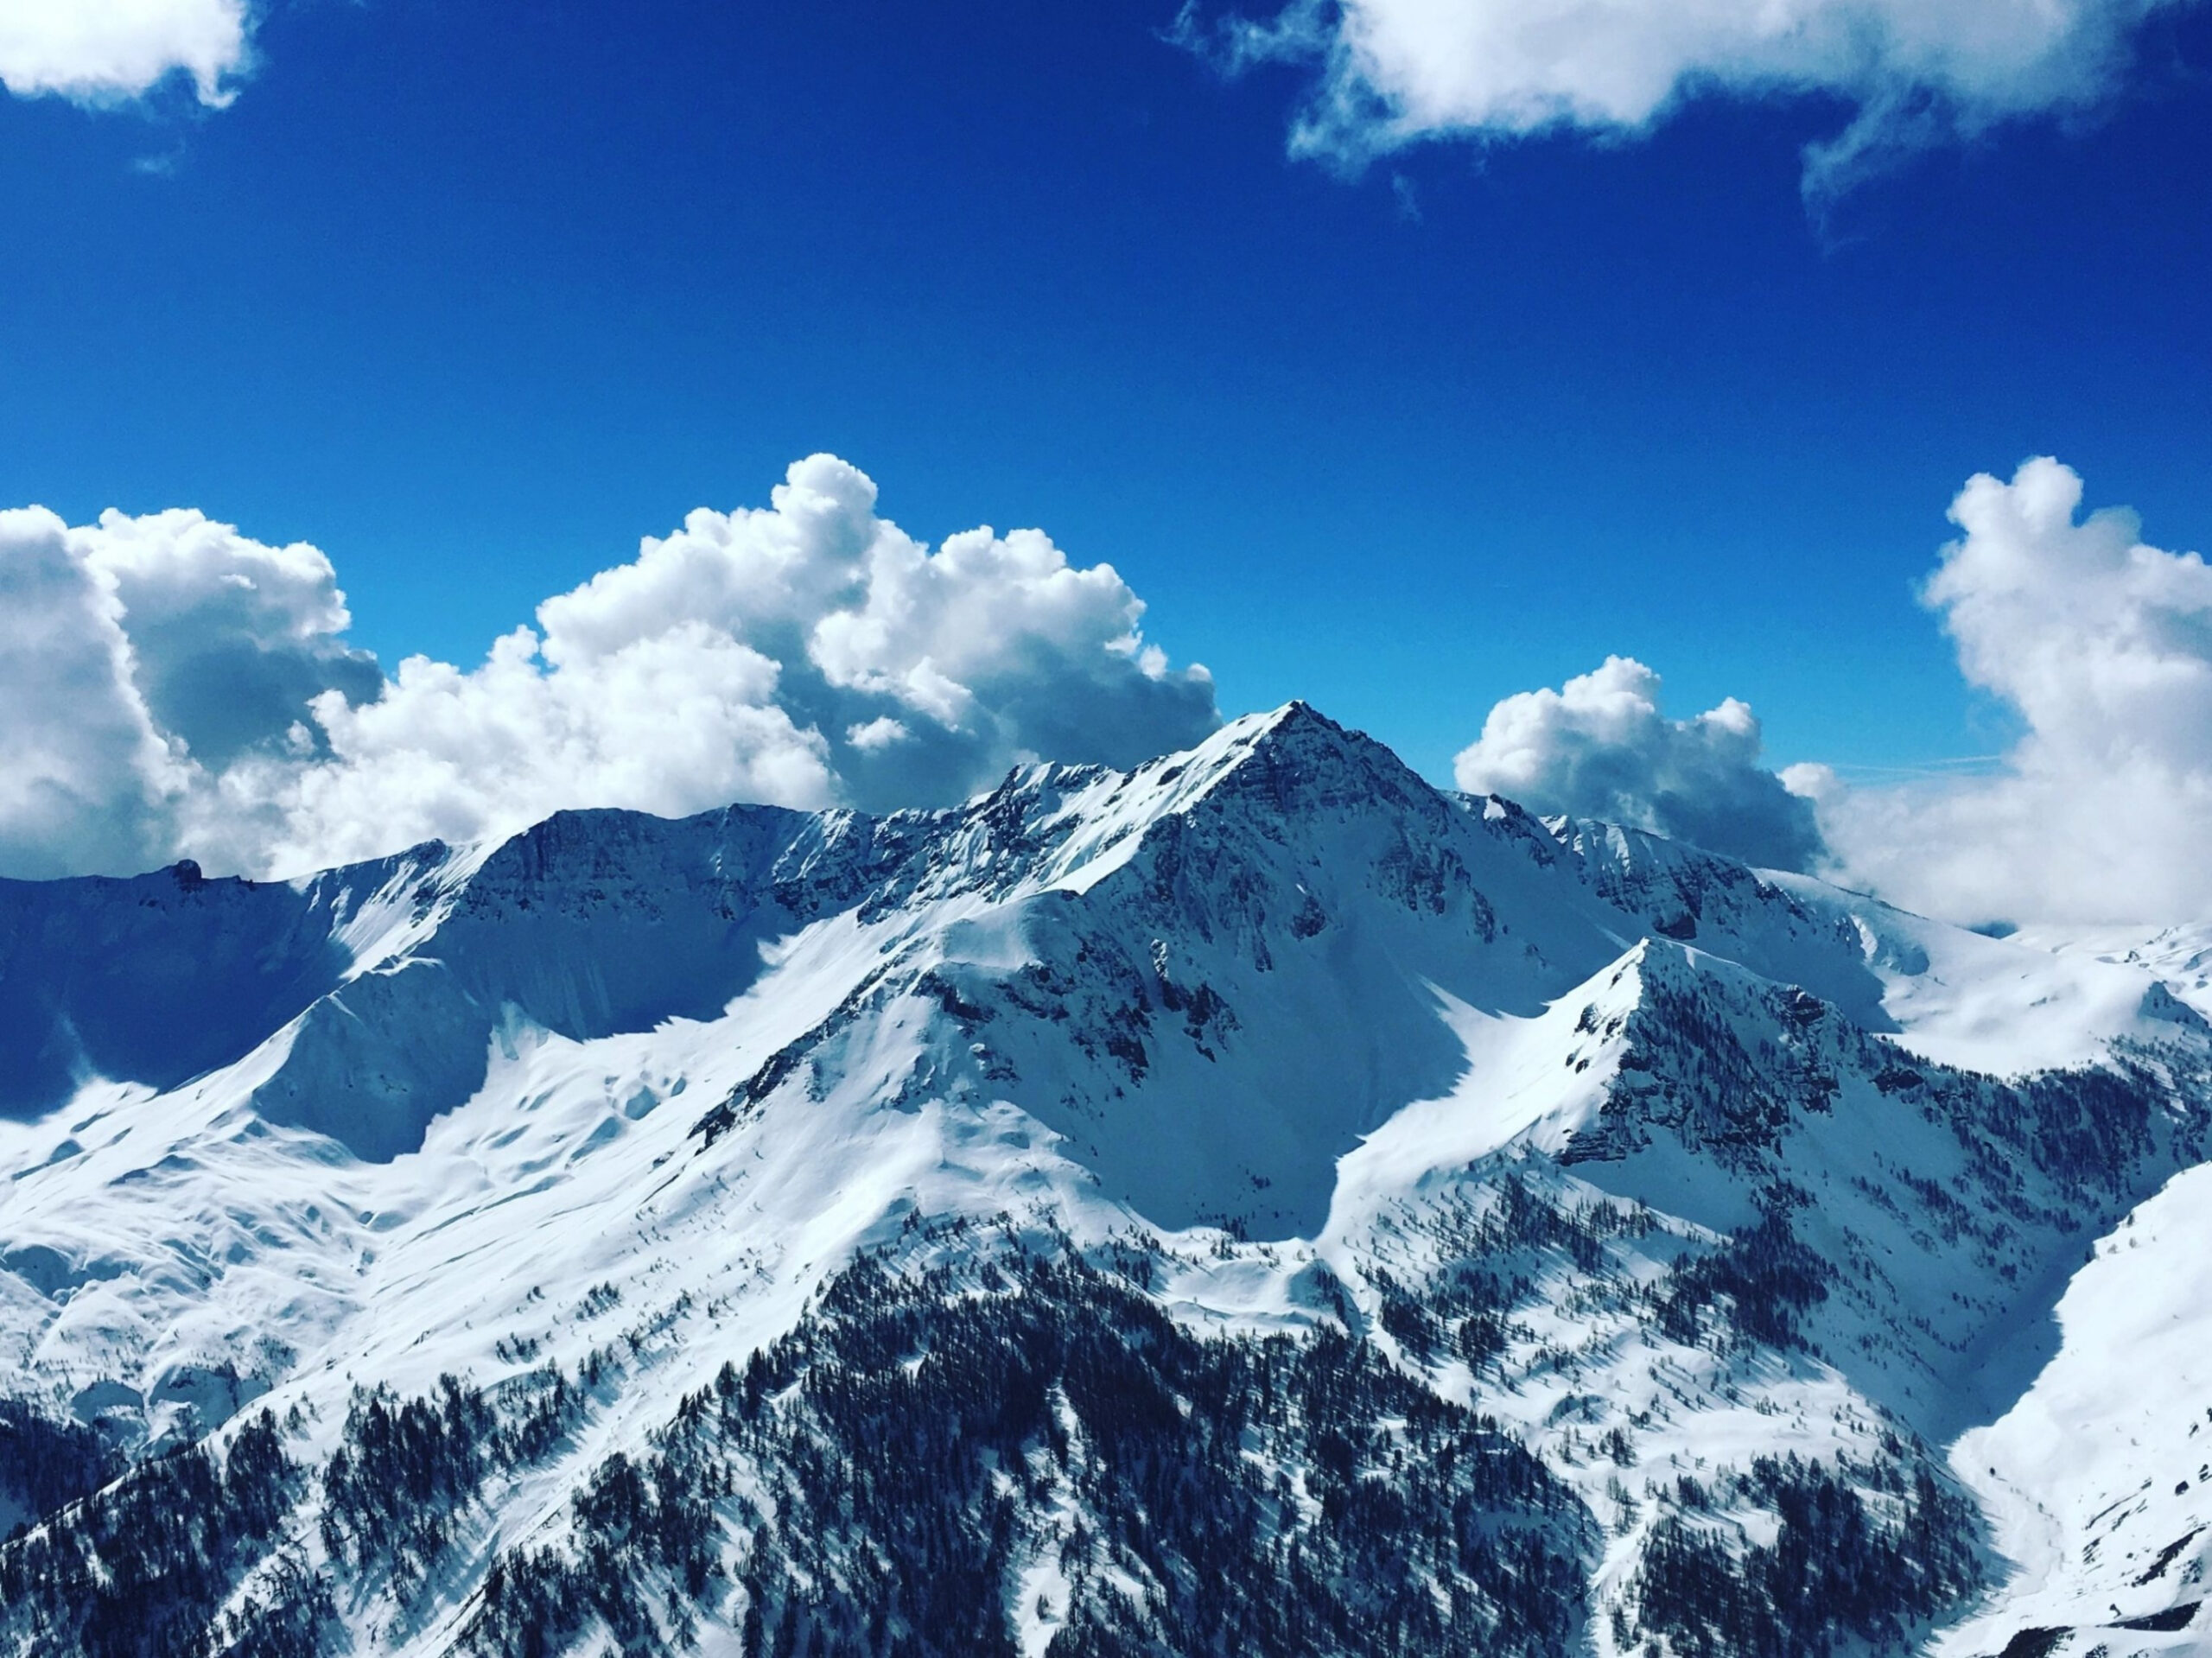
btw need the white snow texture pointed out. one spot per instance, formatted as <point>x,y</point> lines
<point>1321,1045</point>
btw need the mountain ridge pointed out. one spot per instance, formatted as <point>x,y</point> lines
<point>1665,1169</point>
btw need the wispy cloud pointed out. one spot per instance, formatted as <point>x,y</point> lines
<point>1388,74</point>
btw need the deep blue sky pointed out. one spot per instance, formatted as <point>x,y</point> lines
<point>473,296</point>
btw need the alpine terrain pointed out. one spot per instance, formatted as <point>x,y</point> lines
<point>1257,1203</point>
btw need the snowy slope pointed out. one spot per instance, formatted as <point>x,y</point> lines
<point>1673,1169</point>
<point>2097,1479</point>
<point>2180,955</point>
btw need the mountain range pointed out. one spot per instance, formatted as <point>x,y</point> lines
<point>1258,1203</point>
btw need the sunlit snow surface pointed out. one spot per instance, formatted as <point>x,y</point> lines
<point>627,1086</point>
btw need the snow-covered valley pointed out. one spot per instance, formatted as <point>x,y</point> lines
<point>1254,1203</point>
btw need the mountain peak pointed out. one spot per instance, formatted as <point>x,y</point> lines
<point>1263,1055</point>
<point>1297,721</point>
<point>1296,758</point>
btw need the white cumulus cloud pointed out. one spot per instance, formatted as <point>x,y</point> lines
<point>1395,71</point>
<point>137,654</point>
<point>1600,748</point>
<point>229,638</point>
<point>2098,643</point>
<point>85,778</point>
<point>186,689</point>
<point>2102,646</point>
<point>109,51</point>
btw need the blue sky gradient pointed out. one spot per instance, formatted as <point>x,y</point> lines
<point>472,304</point>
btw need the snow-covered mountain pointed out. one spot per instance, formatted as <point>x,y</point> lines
<point>1256,1203</point>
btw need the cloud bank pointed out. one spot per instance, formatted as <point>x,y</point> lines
<point>1600,748</point>
<point>185,689</point>
<point>2098,643</point>
<point>2102,646</point>
<point>176,688</point>
<point>111,51</point>
<point>1392,72</point>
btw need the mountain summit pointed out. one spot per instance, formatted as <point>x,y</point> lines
<point>1256,1202</point>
